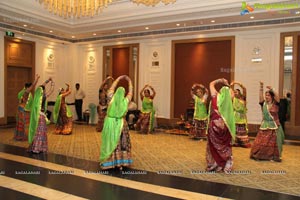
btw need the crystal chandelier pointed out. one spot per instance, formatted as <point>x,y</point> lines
<point>152,2</point>
<point>75,8</point>
<point>83,8</point>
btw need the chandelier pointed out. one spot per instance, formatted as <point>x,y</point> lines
<point>75,8</point>
<point>152,2</point>
<point>83,8</point>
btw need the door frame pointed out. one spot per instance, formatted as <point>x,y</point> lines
<point>133,73</point>
<point>7,41</point>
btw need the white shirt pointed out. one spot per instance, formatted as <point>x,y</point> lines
<point>79,94</point>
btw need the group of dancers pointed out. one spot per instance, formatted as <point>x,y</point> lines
<point>200,94</point>
<point>224,124</point>
<point>32,120</point>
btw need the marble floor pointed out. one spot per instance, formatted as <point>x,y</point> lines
<point>53,176</point>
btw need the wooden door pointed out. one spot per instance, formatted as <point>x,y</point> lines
<point>122,60</point>
<point>16,78</point>
<point>19,62</point>
<point>199,62</point>
<point>120,65</point>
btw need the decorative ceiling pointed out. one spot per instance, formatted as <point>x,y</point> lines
<point>124,19</point>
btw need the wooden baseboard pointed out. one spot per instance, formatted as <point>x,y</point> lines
<point>3,120</point>
<point>292,130</point>
<point>164,122</point>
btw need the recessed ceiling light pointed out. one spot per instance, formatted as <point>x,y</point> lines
<point>51,31</point>
<point>177,24</point>
<point>212,21</point>
<point>147,28</point>
<point>25,25</point>
<point>94,34</point>
<point>252,17</point>
<point>119,31</point>
<point>73,36</point>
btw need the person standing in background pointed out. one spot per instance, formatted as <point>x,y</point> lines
<point>79,96</point>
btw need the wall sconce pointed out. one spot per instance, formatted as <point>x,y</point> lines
<point>256,55</point>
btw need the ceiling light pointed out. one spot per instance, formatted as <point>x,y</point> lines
<point>212,21</point>
<point>146,28</point>
<point>297,12</point>
<point>177,24</point>
<point>152,2</point>
<point>75,8</point>
<point>252,17</point>
<point>51,31</point>
<point>25,25</point>
<point>94,34</point>
<point>119,31</point>
<point>73,36</point>
<point>87,8</point>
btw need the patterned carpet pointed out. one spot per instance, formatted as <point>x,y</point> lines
<point>180,156</point>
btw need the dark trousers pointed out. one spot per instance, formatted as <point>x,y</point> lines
<point>78,107</point>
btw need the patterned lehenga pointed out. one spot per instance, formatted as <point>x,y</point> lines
<point>37,136</point>
<point>23,116</point>
<point>115,145</point>
<point>62,116</point>
<point>218,151</point>
<point>198,131</point>
<point>270,137</point>
<point>242,139</point>
<point>145,123</point>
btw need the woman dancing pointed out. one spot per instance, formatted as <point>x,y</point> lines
<point>115,144</point>
<point>37,136</point>
<point>240,110</point>
<point>146,118</point>
<point>221,129</point>
<point>199,94</point>
<point>62,114</point>
<point>270,137</point>
<point>23,113</point>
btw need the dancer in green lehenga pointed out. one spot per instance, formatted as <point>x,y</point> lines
<point>240,111</point>
<point>145,123</point>
<point>199,94</point>
<point>115,145</point>
<point>62,114</point>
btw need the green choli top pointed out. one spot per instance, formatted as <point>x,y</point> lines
<point>239,111</point>
<point>25,99</point>
<point>147,105</point>
<point>57,105</point>
<point>269,112</point>
<point>200,111</point>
